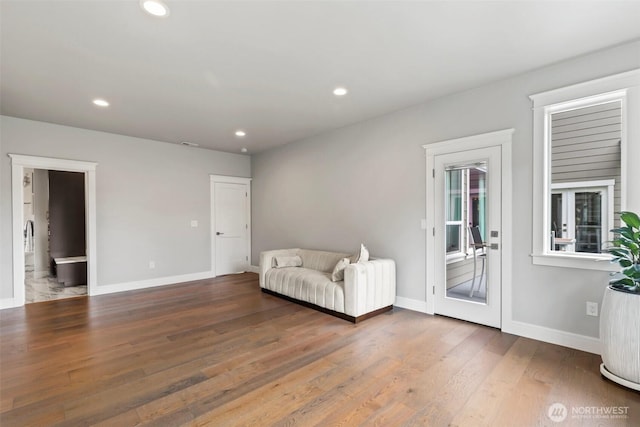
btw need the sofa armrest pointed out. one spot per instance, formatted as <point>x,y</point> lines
<point>369,286</point>
<point>266,260</point>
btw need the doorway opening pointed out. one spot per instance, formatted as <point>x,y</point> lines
<point>73,261</point>
<point>54,235</point>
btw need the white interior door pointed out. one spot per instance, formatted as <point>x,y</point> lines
<point>467,195</point>
<point>230,227</point>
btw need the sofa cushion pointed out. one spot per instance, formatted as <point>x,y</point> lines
<point>308,285</point>
<point>361,256</point>
<point>320,260</point>
<point>287,261</point>
<point>338,270</point>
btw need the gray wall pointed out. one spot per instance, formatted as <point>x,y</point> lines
<point>147,193</point>
<point>366,183</point>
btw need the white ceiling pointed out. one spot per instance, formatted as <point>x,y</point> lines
<point>269,67</point>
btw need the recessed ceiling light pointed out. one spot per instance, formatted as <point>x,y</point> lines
<point>155,7</point>
<point>340,91</point>
<point>240,133</point>
<point>243,149</point>
<point>100,102</point>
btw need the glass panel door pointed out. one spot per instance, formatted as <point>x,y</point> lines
<point>468,215</point>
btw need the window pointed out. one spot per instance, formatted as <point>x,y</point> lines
<point>465,206</point>
<point>581,137</point>
<point>581,215</point>
<point>454,210</point>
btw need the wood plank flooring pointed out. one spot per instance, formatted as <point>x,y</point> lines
<point>220,352</point>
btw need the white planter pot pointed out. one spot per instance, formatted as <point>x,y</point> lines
<point>620,338</point>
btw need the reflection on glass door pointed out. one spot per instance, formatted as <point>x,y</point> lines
<point>465,214</point>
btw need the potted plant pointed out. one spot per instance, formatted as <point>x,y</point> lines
<point>620,317</point>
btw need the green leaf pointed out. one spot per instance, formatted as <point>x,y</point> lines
<point>626,232</point>
<point>625,284</point>
<point>630,218</point>
<point>631,272</point>
<point>619,252</point>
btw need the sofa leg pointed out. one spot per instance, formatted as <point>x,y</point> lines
<point>351,319</point>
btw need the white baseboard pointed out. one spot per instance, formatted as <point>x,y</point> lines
<point>254,269</point>
<point>150,283</point>
<point>411,304</point>
<point>553,336</point>
<point>527,330</point>
<point>8,303</point>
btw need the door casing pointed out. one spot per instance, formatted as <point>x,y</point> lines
<point>18,164</point>
<point>502,138</point>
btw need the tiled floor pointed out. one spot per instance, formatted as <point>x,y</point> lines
<point>46,288</point>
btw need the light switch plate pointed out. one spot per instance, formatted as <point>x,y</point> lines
<point>194,223</point>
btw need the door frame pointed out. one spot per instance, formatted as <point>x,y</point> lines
<point>503,139</point>
<point>18,164</point>
<point>213,179</point>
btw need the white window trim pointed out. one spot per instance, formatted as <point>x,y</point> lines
<point>624,87</point>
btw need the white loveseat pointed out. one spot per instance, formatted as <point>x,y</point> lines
<point>368,287</point>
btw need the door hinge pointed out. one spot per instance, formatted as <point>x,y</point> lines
<point>433,173</point>
<point>247,258</point>
<point>433,290</point>
<point>433,231</point>
<point>246,226</point>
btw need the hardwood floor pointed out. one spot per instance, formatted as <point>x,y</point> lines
<point>220,352</point>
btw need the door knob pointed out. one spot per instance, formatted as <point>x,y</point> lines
<point>218,233</point>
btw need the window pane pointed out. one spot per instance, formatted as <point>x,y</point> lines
<point>453,181</point>
<point>453,238</point>
<point>477,196</point>
<point>588,220</point>
<point>585,151</point>
<point>558,227</point>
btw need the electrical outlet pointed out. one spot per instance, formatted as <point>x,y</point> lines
<point>592,308</point>
<point>152,265</point>
<point>194,223</point>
